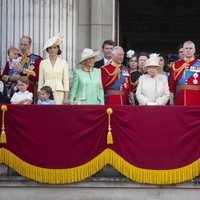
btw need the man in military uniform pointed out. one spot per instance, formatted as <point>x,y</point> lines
<point>116,79</point>
<point>29,65</point>
<point>185,78</point>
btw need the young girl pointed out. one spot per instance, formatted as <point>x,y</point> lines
<point>23,96</point>
<point>46,96</point>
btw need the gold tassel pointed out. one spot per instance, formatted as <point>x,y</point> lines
<point>3,139</point>
<point>109,138</point>
<point>109,135</point>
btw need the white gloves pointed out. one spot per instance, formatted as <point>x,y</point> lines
<point>151,103</point>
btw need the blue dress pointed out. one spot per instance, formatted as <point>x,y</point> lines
<point>46,102</point>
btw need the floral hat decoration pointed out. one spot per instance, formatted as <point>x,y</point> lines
<point>56,40</point>
<point>130,54</point>
<point>153,60</point>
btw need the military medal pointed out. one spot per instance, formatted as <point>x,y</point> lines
<point>195,75</point>
<point>195,81</point>
<point>125,73</point>
<point>31,67</point>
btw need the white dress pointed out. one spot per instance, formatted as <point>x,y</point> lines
<point>153,91</point>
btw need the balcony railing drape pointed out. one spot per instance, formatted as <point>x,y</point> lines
<point>65,144</point>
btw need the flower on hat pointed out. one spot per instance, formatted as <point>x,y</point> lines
<point>59,39</point>
<point>56,40</point>
<point>130,53</point>
<point>153,60</point>
<point>154,56</point>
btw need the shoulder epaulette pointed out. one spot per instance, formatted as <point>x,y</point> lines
<point>36,56</point>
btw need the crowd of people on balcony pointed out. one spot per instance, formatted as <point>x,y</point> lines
<point>144,79</point>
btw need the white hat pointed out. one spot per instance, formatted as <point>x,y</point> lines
<point>153,60</point>
<point>88,53</point>
<point>57,40</point>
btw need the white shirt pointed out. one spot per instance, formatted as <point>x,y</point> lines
<point>1,86</point>
<point>153,91</point>
<point>106,61</point>
<point>18,96</point>
<point>15,62</point>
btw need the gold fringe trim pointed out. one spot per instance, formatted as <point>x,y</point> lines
<point>53,176</point>
<point>140,175</point>
<point>61,176</point>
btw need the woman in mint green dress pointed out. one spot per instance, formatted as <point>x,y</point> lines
<point>87,86</point>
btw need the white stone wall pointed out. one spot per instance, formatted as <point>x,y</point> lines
<point>39,19</point>
<point>94,23</point>
<point>84,23</point>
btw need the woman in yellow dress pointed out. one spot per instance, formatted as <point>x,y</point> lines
<point>53,71</point>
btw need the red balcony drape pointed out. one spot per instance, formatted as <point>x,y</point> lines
<point>64,144</point>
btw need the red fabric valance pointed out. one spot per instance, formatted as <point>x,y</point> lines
<point>154,141</point>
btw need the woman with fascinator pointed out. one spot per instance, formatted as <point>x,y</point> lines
<point>135,74</point>
<point>153,87</point>
<point>53,71</point>
<point>87,85</point>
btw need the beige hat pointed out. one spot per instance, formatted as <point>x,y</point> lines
<point>88,53</point>
<point>153,60</point>
<point>57,40</point>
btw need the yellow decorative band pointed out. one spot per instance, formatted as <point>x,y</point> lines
<point>70,175</point>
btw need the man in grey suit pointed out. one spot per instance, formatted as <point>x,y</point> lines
<point>107,48</point>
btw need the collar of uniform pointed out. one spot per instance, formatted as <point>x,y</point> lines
<point>189,60</point>
<point>115,64</point>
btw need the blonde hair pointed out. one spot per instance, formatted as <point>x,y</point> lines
<point>12,48</point>
<point>24,79</point>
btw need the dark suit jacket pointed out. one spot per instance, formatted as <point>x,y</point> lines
<point>99,63</point>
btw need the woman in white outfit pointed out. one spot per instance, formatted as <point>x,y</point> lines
<point>153,87</point>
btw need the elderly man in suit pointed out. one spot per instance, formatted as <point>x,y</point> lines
<point>107,48</point>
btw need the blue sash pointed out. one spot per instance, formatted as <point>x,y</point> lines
<point>189,73</point>
<point>119,82</point>
<point>121,79</point>
<point>31,60</point>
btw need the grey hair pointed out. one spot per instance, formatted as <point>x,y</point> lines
<point>189,42</point>
<point>116,48</point>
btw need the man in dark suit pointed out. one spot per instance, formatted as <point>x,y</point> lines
<point>107,48</point>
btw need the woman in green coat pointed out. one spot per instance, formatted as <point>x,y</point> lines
<point>87,86</point>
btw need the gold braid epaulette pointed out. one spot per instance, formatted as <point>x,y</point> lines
<point>179,70</point>
<point>24,60</point>
<point>114,74</point>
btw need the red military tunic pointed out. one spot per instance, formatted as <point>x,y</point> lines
<point>116,83</point>
<point>30,69</point>
<point>185,82</point>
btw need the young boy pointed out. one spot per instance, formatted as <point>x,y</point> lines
<point>23,96</point>
<point>14,60</point>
